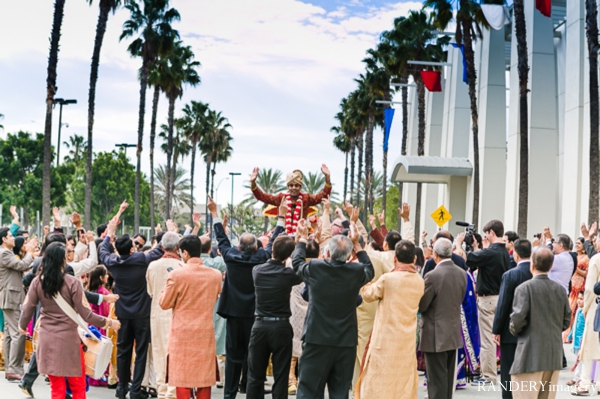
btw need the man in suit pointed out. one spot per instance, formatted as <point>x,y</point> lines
<point>12,295</point>
<point>502,336</point>
<point>330,331</point>
<point>236,303</point>
<point>133,308</point>
<point>540,314</point>
<point>440,307</point>
<point>456,259</point>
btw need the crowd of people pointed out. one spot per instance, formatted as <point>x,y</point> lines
<point>318,302</point>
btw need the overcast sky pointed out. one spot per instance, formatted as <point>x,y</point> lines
<point>277,70</point>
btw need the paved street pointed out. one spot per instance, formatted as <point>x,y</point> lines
<point>42,390</point>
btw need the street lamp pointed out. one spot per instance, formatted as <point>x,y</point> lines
<point>61,102</point>
<point>217,190</point>
<point>233,175</point>
<point>124,147</point>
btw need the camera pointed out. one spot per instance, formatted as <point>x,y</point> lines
<point>538,236</point>
<point>469,234</point>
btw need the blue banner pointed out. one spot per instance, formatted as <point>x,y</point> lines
<point>388,114</point>
<point>464,60</point>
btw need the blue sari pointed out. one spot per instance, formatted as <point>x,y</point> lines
<point>468,355</point>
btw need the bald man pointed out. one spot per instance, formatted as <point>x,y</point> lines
<point>219,322</point>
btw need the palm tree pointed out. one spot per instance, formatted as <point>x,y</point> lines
<point>343,143</point>
<point>155,80</point>
<point>523,71</point>
<point>106,6</point>
<point>377,183</point>
<point>216,124</point>
<point>180,69</point>
<point>270,181</point>
<point>2,117</point>
<point>591,32</point>
<point>469,20</point>
<point>76,145</point>
<point>59,6</point>
<point>180,148</point>
<point>179,193</point>
<point>156,39</point>
<point>223,151</point>
<point>194,129</point>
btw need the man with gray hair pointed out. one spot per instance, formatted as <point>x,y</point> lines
<point>330,332</point>
<point>440,306</point>
<point>160,320</point>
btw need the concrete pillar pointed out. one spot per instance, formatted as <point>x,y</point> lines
<point>433,147</point>
<point>543,129</point>
<point>409,193</point>
<point>492,127</point>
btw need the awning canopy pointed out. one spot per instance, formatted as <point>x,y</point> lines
<point>415,169</point>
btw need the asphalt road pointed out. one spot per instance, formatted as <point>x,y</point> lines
<point>41,389</point>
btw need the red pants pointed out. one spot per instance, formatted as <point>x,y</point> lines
<point>194,393</point>
<point>58,385</point>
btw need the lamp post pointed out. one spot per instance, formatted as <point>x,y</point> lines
<point>217,189</point>
<point>61,102</point>
<point>124,147</point>
<point>233,175</point>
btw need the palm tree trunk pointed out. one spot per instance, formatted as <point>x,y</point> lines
<point>100,30</point>
<point>384,197</point>
<point>169,158</point>
<point>360,164</point>
<point>212,179</point>
<point>472,78</point>
<point>192,172</point>
<point>138,171</point>
<point>208,160</point>
<point>403,79</point>
<point>591,19</point>
<point>523,70</point>
<point>346,178</point>
<point>369,164</point>
<point>155,99</point>
<point>59,6</point>
<point>352,165</point>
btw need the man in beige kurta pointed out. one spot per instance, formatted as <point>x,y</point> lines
<point>390,366</point>
<point>590,345</point>
<point>191,292</point>
<point>160,320</point>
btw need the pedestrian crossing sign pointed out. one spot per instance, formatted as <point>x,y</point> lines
<point>441,216</point>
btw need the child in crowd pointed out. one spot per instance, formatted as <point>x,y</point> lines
<point>98,277</point>
<point>575,335</point>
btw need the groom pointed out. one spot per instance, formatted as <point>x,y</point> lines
<point>298,203</point>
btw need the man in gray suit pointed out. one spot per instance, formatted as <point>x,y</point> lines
<point>440,307</point>
<point>540,314</point>
<point>12,295</point>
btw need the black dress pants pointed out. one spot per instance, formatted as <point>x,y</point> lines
<point>507,357</point>
<point>269,337</point>
<point>236,348</point>
<point>138,331</point>
<point>441,371</point>
<point>322,365</point>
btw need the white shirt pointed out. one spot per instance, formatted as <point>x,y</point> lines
<point>562,269</point>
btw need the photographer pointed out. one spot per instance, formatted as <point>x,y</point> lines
<point>490,263</point>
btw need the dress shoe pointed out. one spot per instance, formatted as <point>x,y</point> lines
<point>26,389</point>
<point>13,377</point>
<point>112,386</point>
<point>242,388</point>
<point>292,389</point>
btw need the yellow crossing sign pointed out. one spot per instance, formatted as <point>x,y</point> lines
<point>441,216</point>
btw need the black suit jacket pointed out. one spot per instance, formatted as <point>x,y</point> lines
<point>510,281</point>
<point>430,264</point>
<point>333,286</point>
<point>237,298</point>
<point>129,272</point>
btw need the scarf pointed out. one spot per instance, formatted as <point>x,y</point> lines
<point>402,267</point>
<point>170,255</point>
<point>291,220</point>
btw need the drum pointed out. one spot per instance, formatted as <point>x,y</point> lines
<point>97,354</point>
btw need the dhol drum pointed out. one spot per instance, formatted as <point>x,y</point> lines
<point>97,354</point>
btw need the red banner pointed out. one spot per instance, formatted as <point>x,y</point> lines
<point>432,80</point>
<point>544,6</point>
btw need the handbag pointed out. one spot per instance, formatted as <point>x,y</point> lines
<point>99,350</point>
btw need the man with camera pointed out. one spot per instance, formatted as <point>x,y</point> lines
<point>491,263</point>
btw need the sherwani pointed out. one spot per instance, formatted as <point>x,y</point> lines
<point>220,323</point>
<point>590,345</point>
<point>191,356</point>
<point>308,200</point>
<point>390,369</point>
<point>160,321</point>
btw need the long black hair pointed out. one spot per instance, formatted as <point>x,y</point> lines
<point>19,241</point>
<point>53,263</point>
<point>94,282</point>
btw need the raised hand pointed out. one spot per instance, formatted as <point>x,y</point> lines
<point>372,222</point>
<point>381,217</point>
<point>283,208</point>
<point>326,205</point>
<point>547,234</point>
<point>123,206</point>
<point>196,219</point>
<point>158,229</point>
<point>353,233</point>
<point>339,213</point>
<point>75,220</point>
<point>31,245</point>
<point>212,206</point>
<point>13,212</point>
<point>56,214</point>
<point>348,208</point>
<point>404,212</point>
<point>254,176</point>
<point>355,213</point>
<point>302,230</point>
<point>171,226</point>
<point>584,231</point>
<point>325,170</point>
<point>89,236</point>
<point>593,229</point>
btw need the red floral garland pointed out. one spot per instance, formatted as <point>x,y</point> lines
<point>291,221</point>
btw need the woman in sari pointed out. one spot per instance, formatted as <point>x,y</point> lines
<point>468,355</point>
<point>577,281</point>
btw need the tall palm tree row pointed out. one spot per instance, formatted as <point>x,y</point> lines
<point>106,6</point>
<point>155,38</point>
<point>343,143</point>
<point>59,6</point>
